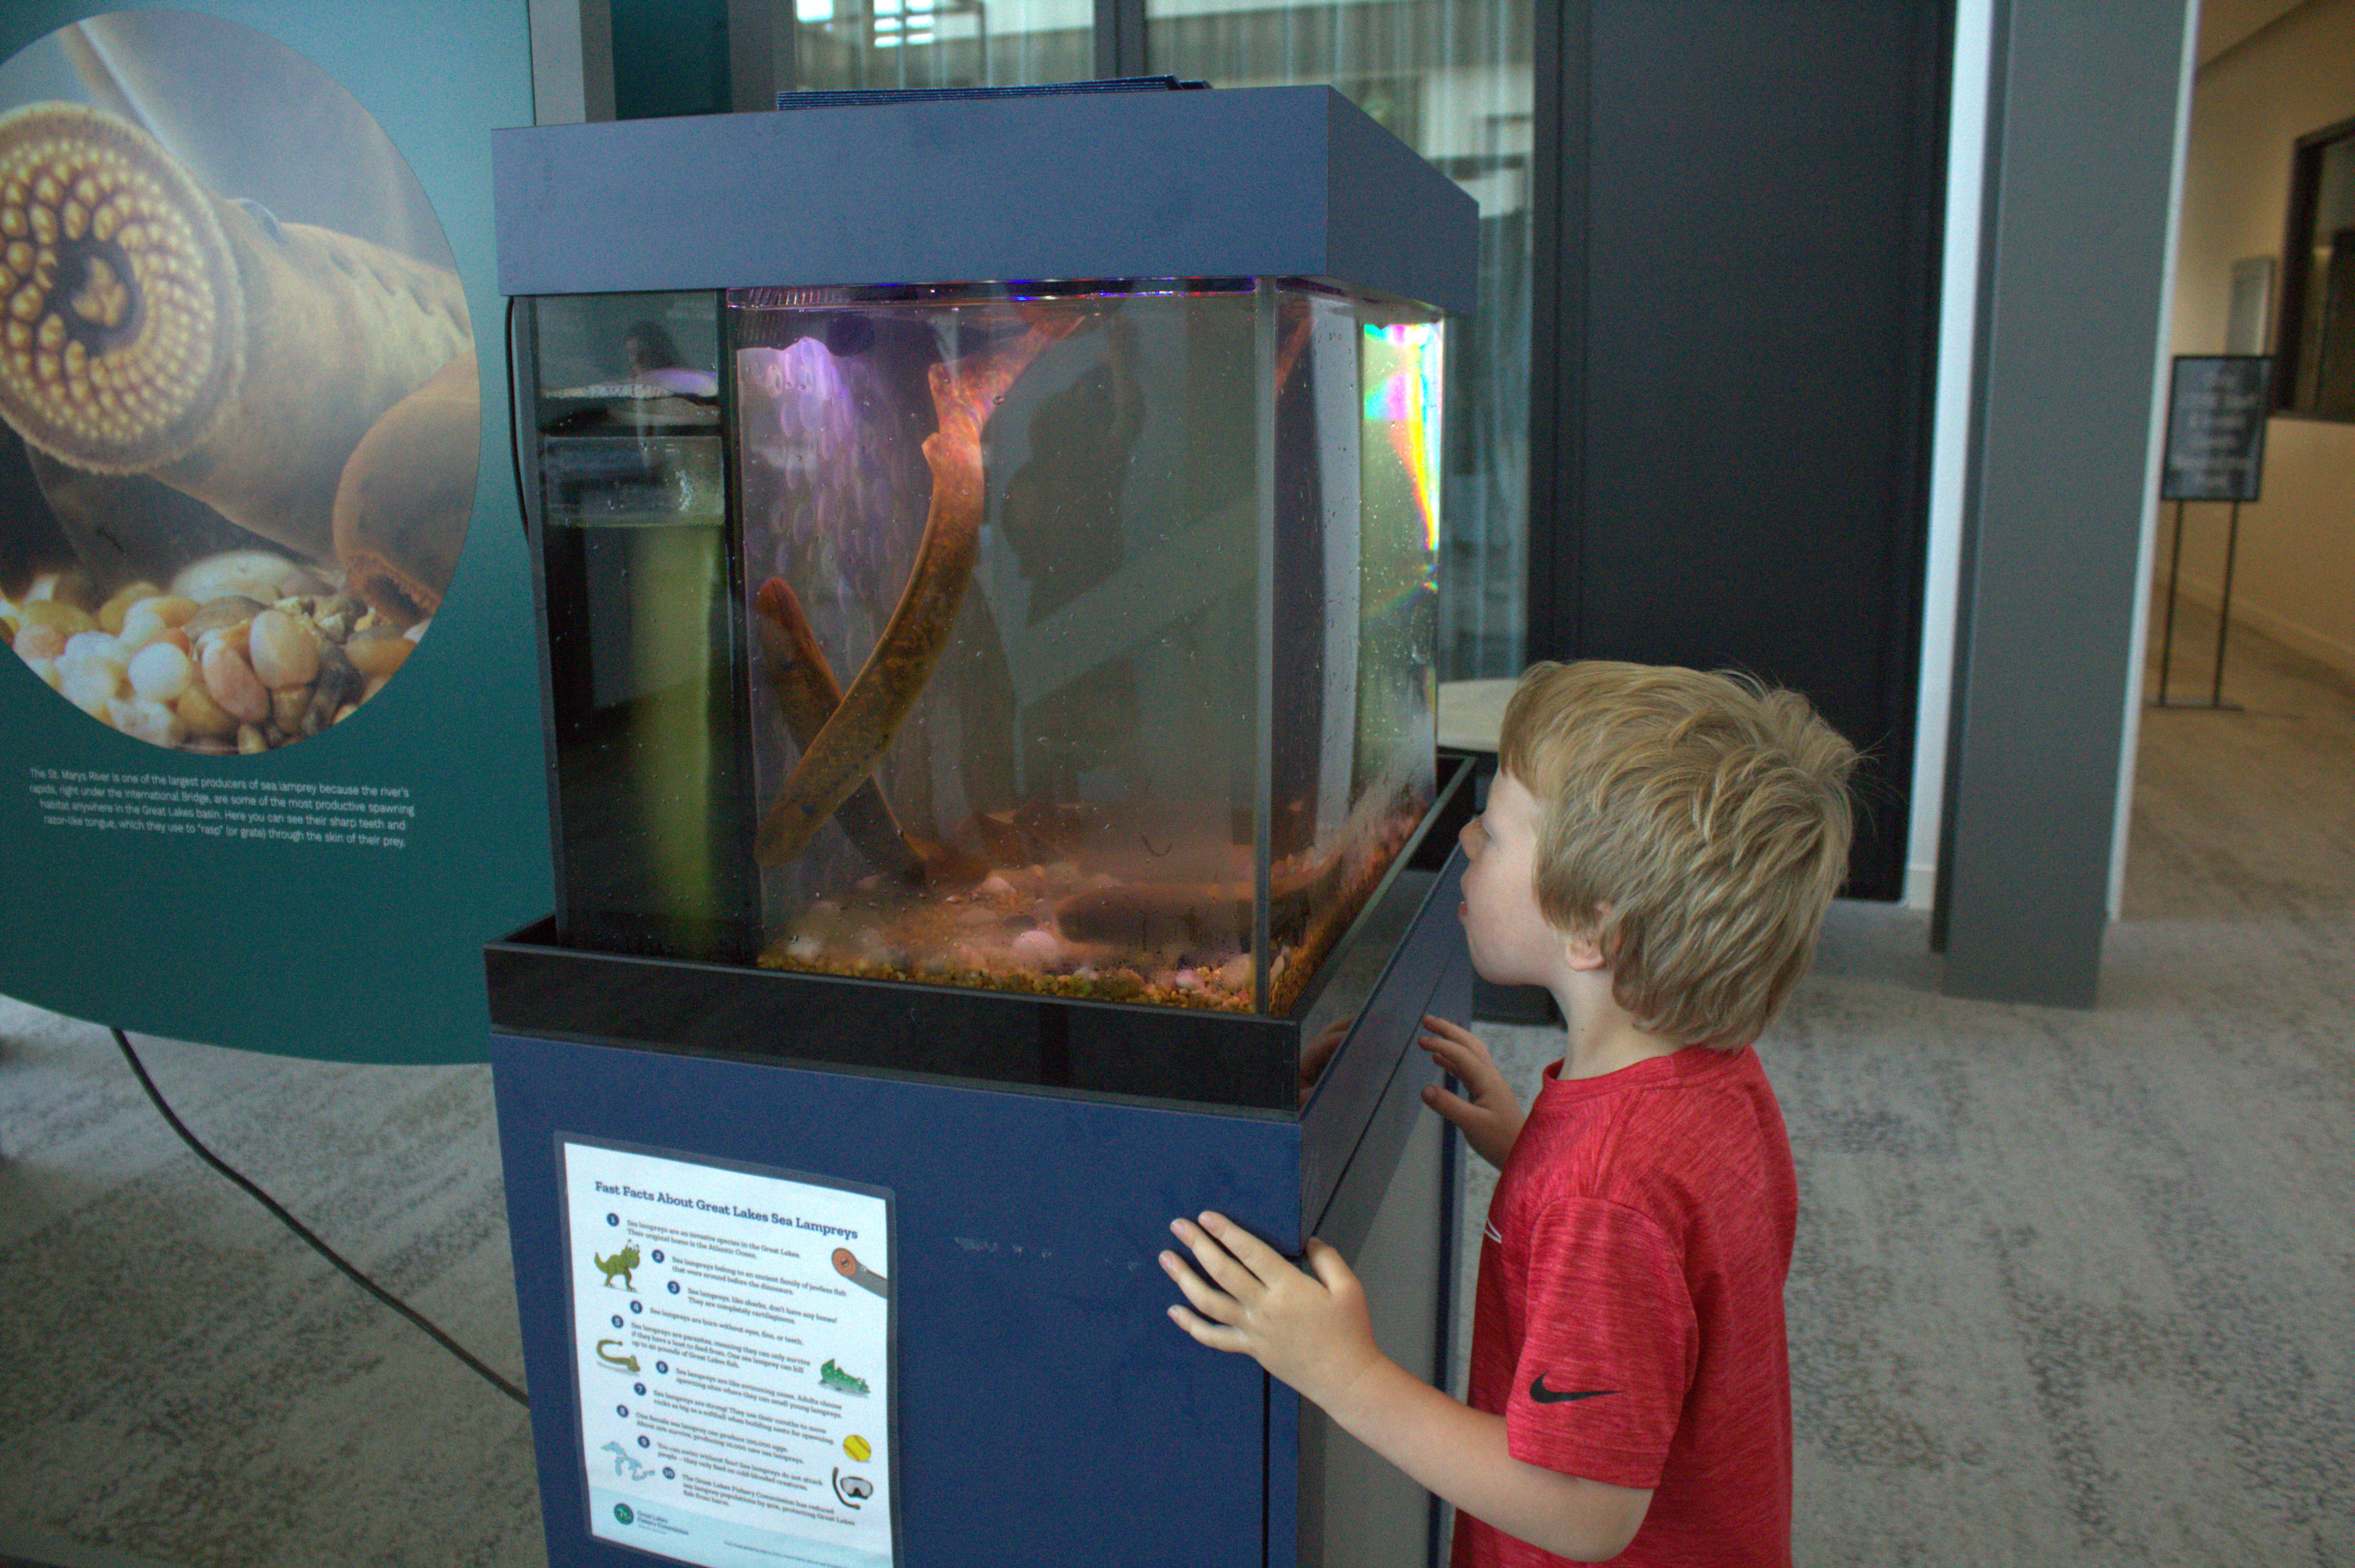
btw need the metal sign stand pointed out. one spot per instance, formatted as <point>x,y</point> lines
<point>2224,616</point>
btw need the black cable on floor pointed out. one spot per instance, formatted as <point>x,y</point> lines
<point>275,1208</point>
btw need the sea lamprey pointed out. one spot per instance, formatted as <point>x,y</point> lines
<point>841,756</point>
<point>802,683</point>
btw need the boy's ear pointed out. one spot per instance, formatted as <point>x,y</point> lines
<point>1585,953</point>
<point>1591,947</point>
<point>1588,949</point>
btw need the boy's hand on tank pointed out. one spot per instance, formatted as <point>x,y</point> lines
<point>1309,1329</point>
<point>1487,1112</point>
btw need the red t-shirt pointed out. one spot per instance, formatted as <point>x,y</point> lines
<point>1630,1320</point>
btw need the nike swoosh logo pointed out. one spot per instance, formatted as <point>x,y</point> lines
<point>1543,1395</point>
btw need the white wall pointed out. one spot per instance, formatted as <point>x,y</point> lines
<point>2294,579</point>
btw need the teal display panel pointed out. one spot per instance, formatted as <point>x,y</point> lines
<point>271,767</point>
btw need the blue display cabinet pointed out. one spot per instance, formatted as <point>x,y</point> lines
<point>985,549</point>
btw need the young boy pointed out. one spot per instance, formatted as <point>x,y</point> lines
<point>1658,850</point>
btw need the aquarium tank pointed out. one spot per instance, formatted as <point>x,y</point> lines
<point>1066,634</point>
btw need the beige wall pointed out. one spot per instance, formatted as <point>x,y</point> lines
<point>2295,577</point>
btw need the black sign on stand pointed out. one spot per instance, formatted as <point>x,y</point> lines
<point>2216,410</point>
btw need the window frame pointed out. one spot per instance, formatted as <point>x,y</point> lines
<point>2290,396</point>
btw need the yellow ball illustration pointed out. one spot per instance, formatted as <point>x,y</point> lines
<point>857,1448</point>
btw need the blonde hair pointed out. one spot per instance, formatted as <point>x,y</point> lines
<point>1694,825</point>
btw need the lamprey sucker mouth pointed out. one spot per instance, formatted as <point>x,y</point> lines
<point>121,317</point>
<point>151,325</point>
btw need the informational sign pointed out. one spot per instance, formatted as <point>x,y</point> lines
<point>733,1336</point>
<point>270,752</point>
<point>2216,409</point>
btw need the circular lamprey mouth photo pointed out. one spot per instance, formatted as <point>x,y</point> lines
<point>240,409</point>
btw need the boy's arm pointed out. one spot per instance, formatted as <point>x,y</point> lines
<point>1313,1333</point>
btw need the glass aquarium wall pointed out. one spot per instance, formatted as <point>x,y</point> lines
<point>1453,80</point>
<point>628,482</point>
<point>1090,631</point>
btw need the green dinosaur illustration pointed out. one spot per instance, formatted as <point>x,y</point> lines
<point>621,1262</point>
<point>626,1363</point>
<point>835,1378</point>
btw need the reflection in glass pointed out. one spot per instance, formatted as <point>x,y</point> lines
<point>1451,79</point>
<point>845,44</point>
<point>631,506</point>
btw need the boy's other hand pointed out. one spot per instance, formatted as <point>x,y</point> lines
<point>1490,1116</point>
<point>1311,1330</point>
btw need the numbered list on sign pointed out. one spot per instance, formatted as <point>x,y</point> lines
<point>732,1334</point>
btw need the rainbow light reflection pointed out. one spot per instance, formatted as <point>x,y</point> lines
<point>1403,397</point>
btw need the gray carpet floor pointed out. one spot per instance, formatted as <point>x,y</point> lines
<point>2071,1287</point>
<point>188,1383</point>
